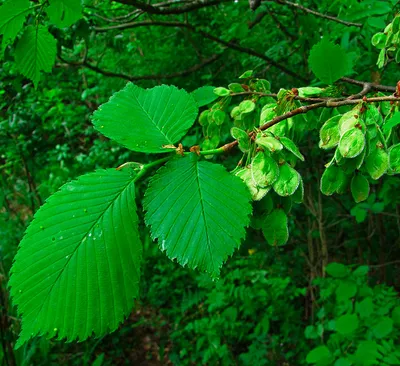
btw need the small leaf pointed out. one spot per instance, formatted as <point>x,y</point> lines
<point>257,193</point>
<point>145,120</point>
<point>247,74</point>
<point>242,137</point>
<point>396,316</point>
<point>329,133</point>
<point>298,195</point>
<point>291,146</point>
<point>309,91</point>
<point>359,188</point>
<point>394,158</point>
<point>267,113</point>
<point>336,270</point>
<point>247,106</point>
<point>204,95</point>
<point>367,353</point>
<point>35,52</point>
<point>236,87</point>
<point>383,328</point>
<point>348,121</point>
<point>218,116</point>
<point>347,324</point>
<point>198,212</point>
<point>331,180</point>
<point>365,308</point>
<point>77,269</point>
<point>319,355</point>
<point>222,92</point>
<point>391,122</point>
<point>378,40</point>
<point>345,291</point>
<point>264,170</point>
<point>287,182</point>
<point>275,228</point>
<point>269,142</point>
<point>377,163</point>
<point>64,13</point>
<point>329,62</point>
<point>352,143</point>
<point>12,18</point>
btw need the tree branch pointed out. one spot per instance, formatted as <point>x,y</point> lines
<point>372,86</point>
<point>313,12</point>
<point>304,109</point>
<point>209,36</point>
<point>154,9</point>
<point>190,70</point>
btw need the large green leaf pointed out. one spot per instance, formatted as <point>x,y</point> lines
<point>329,62</point>
<point>77,269</point>
<point>198,212</point>
<point>145,120</point>
<point>64,13</point>
<point>35,52</point>
<point>12,18</point>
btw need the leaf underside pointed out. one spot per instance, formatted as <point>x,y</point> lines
<point>198,212</point>
<point>77,268</point>
<point>145,120</point>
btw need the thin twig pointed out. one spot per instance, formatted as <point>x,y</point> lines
<point>316,13</point>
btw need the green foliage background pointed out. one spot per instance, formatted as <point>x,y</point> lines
<point>272,305</point>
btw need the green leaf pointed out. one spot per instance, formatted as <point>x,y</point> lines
<point>291,146</point>
<point>394,159</point>
<point>396,316</point>
<point>257,193</point>
<point>329,133</point>
<point>329,62</point>
<point>64,13</point>
<point>345,291</point>
<point>391,122</point>
<point>35,52</point>
<point>145,120</point>
<point>342,362</point>
<point>247,74</point>
<point>377,163</point>
<point>367,353</point>
<point>264,170</point>
<point>347,324</point>
<point>378,40</point>
<point>197,211</point>
<point>236,87</point>
<point>247,106</point>
<point>221,92</point>
<point>204,95</point>
<point>359,188</point>
<point>352,143</point>
<point>243,138</point>
<point>275,228</point>
<point>319,355</point>
<point>298,195</point>
<point>269,142</point>
<point>77,267</point>
<point>337,270</point>
<point>309,91</point>
<point>287,182</point>
<point>218,116</point>
<point>12,18</point>
<point>365,308</point>
<point>383,327</point>
<point>331,180</point>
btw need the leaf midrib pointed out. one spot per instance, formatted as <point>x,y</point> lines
<point>78,245</point>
